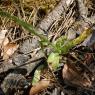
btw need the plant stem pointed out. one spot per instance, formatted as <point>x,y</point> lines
<point>27,26</point>
<point>63,48</point>
<point>82,37</point>
<point>72,43</point>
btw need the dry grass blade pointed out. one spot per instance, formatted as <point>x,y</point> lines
<point>9,49</point>
<point>25,25</point>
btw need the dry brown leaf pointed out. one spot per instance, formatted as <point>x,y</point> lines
<point>3,40</point>
<point>2,35</point>
<point>71,74</point>
<point>9,49</point>
<point>43,84</point>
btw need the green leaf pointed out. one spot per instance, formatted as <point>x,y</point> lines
<point>37,74</point>
<point>36,77</point>
<point>59,44</point>
<point>53,60</point>
<point>44,43</point>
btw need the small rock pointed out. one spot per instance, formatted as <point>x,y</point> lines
<point>28,45</point>
<point>20,59</point>
<point>13,83</point>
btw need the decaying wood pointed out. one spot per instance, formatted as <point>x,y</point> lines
<point>60,13</point>
<point>45,24</point>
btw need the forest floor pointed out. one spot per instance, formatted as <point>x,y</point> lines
<point>25,65</point>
